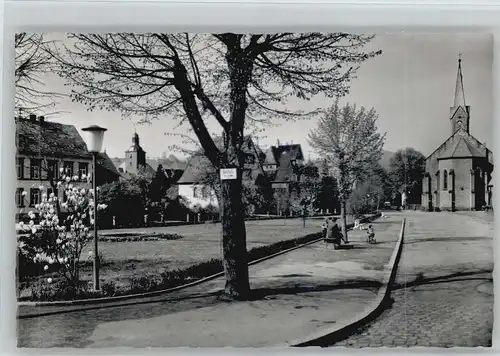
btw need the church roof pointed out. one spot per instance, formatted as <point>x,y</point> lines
<point>459,87</point>
<point>463,148</point>
<point>466,146</point>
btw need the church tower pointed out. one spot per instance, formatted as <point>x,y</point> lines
<point>135,157</point>
<point>459,112</point>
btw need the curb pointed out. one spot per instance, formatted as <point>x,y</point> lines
<point>109,302</point>
<point>115,301</point>
<point>345,329</point>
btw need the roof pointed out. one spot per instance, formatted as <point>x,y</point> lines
<point>105,162</point>
<point>459,99</point>
<point>471,140</point>
<point>294,151</point>
<point>195,169</point>
<point>51,139</point>
<point>270,156</point>
<point>198,163</point>
<point>273,153</point>
<point>462,149</point>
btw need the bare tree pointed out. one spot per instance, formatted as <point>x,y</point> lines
<point>349,140</point>
<point>32,64</point>
<point>230,79</point>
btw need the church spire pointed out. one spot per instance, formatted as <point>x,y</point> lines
<point>459,87</point>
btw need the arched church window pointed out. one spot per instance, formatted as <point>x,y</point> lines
<point>445,180</point>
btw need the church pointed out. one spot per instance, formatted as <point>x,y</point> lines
<point>458,173</point>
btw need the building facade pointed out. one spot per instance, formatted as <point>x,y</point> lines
<point>458,173</point>
<point>47,150</point>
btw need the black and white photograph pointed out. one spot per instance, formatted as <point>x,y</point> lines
<point>329,189</point>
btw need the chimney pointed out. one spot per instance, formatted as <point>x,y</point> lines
<point>41,119</point>
<point>32,117</point>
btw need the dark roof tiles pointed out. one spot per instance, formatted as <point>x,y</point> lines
<point>49,139</point>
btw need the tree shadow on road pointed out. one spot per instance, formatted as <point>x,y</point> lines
<point>420,278</point>
<point>446,239</point>
<point>273,292</point>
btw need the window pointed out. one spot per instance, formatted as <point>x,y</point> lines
<point>195,192</point>
<point>19,197</point>
<point>83,168</point>
<point>35,169</point>
<point>20,168</point>
<point>68,168</point>
<point>54,169</point>
<point>34,196</point>
<point>445,180</point>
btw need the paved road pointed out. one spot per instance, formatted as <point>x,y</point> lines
<point>451,305</point>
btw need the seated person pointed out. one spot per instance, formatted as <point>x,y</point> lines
<point>333,232</point>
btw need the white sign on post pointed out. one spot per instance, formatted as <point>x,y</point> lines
<point>228,173</point>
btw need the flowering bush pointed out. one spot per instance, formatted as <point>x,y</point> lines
<point>56,241</point>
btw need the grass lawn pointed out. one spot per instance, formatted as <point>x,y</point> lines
<point>124,260</point>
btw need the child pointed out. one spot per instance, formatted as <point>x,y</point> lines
<point>324,226</point>
<point>371,235</point>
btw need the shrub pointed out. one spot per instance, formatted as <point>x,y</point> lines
<point>57,242</point>
<point>108,289</point>
<point>51,289</point>
<point>145,283</point>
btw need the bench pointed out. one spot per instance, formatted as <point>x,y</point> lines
<point>345,246</point>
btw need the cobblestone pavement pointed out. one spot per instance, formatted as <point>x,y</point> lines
<point>443,295</point>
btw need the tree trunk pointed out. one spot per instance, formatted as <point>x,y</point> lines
<point>234,247</point>
<point>343,218</point>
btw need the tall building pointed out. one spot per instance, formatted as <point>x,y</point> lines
<point>135,157</point>
<point>458,172</point>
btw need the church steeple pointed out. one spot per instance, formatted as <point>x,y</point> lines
<point>135,156</point>
<point>459,112</point>
<point>135,139</point>
<point>459,87</point>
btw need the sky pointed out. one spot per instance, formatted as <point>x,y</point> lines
<point>411,86</point>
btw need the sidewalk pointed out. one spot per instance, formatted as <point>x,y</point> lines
<point>298,294</point>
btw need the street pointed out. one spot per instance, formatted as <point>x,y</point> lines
<point>446,267</point>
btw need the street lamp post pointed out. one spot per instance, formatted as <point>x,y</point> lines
<point>94,146</point>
